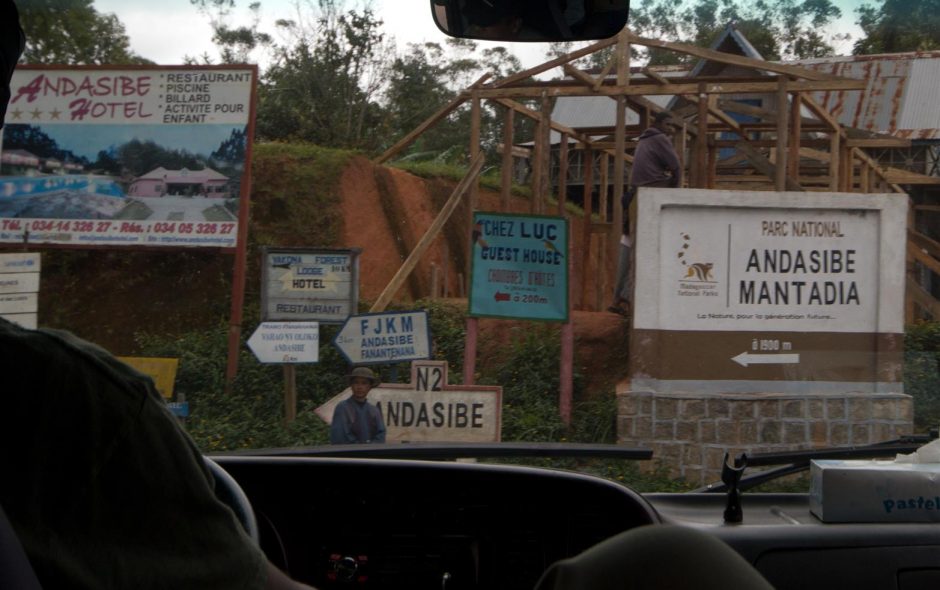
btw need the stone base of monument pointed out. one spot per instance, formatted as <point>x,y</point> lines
<point>690,433</point>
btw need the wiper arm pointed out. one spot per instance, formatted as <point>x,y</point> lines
<point>797,461</point>
<point>436,451</point>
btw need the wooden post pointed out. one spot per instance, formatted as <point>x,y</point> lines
<point>566,372</point>
<point>586,278</point>
<point>701,147</point>
<point>545,141</point>
<point>435,281</point>
<point>505,186</point>
<point>796,122</point>
<point>563,174</point>
<point>681,144</point>
<point>290,393</point>
<point>612,245</point>
<point>474,148</point>
<point>712,167</point>
<point>603,198</point>
<point>835,154</point>
<point>780,176</point>
<point>470,351</point>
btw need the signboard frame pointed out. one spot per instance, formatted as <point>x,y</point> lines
<point>776,340</point>
<point>428,342</point>
<point>133,110</point>
<point>520,279</point>
<point>267,254</point>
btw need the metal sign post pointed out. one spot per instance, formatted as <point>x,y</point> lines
<point>288,344</point>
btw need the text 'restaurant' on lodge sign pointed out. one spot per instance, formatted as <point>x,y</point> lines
<point>127,157</point>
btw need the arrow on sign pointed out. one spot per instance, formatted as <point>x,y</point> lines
<point>501,296</point>
<point>746,358</point>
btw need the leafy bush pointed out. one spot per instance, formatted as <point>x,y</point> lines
<point>921,374</point>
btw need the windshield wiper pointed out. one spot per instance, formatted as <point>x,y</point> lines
<point>437,451</point>
<point>797,461</point>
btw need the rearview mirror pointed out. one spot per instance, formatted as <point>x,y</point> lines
<point>531,20</point>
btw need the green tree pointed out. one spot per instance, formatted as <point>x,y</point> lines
<point>778,29</point>
<point>236,44</point>
<point>325,84</point>
<point>899,25</point>
<point>73,32</point>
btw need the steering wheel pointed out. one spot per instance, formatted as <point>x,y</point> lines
<point>231,494</point>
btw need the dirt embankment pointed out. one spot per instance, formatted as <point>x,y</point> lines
<point>108,296</point>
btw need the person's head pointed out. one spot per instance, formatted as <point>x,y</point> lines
<point>361,380</point>
<point>663,121</point>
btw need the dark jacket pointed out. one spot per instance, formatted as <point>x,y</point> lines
<point>348,427</point>
<point>11,46</point>
<point>654,157</point>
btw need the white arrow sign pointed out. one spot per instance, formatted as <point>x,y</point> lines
<point>746,358</point>
<point>286,342</point>
<point>383,338</point>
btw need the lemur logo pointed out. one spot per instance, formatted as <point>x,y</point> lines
<point>695,271</point>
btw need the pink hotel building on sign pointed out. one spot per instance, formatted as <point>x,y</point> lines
<point>161,182</point>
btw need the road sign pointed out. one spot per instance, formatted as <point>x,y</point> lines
<point>383,338</point>
<point>520,267</point>
<point>430,410</point>
<point>161,370</point>
<point>286,342</point>
<point>309,285</point>
<point>19,288</point>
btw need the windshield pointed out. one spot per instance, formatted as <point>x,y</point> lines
<point>328,223</point>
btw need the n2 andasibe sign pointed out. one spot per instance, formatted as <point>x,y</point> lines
<point>520,267</point>
<point>129,157</point>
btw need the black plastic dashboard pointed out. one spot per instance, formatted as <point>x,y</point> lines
<point>345,523</point>
<point>371,523</point>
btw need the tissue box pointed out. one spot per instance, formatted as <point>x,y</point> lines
<point>874,491</point>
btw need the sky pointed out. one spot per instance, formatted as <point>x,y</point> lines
<point>166,31</point>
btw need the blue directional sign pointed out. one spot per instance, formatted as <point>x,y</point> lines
<point>520,267</point>
<point>384,338</point>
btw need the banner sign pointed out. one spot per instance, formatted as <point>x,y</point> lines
<point>319,285</point>
<point>131,157</point>
<point>520,267</point>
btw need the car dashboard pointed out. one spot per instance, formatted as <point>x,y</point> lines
<point>422,524</point>
<point>380,523</point>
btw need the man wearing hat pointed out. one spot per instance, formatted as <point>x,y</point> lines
<point>355,420</point>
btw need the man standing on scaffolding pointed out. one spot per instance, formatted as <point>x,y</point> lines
<point>655,164</point>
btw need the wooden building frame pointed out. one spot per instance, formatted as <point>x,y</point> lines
<point>790,143</point>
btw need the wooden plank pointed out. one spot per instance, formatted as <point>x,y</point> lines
<point>879,142</point>
<point>424,126</point>
<point>924,243</point>
<point>535,116</point>
<point>563,174</point>
<point>835,161</point>
<point>588,164</point>
<point>475,123</point>
<point>505,183</point>
<point>730,58</point>
<point>648,89</point>
<point>780,166</point>
<point>429,236</point>
<point>532,72</point>
<point>796,122</point>
<point>923,298</point>
<point>764,166</point>
<point>701,148</point>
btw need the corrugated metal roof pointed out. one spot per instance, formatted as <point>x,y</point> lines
<point>901,97</point>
